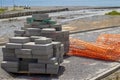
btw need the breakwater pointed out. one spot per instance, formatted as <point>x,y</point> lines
<point>30,12</point>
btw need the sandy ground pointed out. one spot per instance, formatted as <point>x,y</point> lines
<point>7,28</point>
<point>95,22</point>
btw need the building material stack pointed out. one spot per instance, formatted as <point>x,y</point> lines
<point>42,25</point>
<point>36,49</point>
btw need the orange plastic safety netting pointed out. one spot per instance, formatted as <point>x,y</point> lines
<point>109,39</point>
<point>105,48</point>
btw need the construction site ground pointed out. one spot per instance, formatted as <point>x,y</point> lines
<point>74,68</point>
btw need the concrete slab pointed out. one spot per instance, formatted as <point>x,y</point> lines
<point>52,71</point>
<point>8,52</point>
<point>42,52</point>
<point>32,38</point>
<point>28,45</point>
<point>43,40</point>
<point>9,58</point>
<point>14,45</point>
<point>46,57</point>
<point>23,53</point>
<point>58,27</point>
<point>13,70</point>
<point>49,61</point>
<point>42,46</point>
<point>48,30</point>
<point>19,39</point>
<point>9,64</point>
<point>33,32</point>
<point>37,70</point>
<point>36,65</point>
<point>19,32</point>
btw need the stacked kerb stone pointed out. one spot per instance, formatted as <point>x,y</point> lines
<point>37,48</point>
<point>42,56</point>
<point>42,25</point>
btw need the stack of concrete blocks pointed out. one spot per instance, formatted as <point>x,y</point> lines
<point>33,54</point>
<point>53,31</point>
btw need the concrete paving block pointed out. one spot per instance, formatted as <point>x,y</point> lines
<point>24,63</point>
<point>48,30</point>
<point>35,24</point>
<point>43,40</point>
<point>19,39</point>
<point>32,45</point>
<point>60,60</point>
<point>66,46</point>
<point>56,52</point>
<point>23,53</point>
<point>13,45</point>
<point>42,52</point>
<point>37,70</point>
<point>13,70</point>
<point>42,57</point>
<point>43,61</point>
<point>40,16</point>
<point>56,49</point>
<point>26,25</point>
<point>23,56</point>
<point>52,70</point>
<point>56,44</point>
<point>28,45</point>
<point>9,58</point>
<point>23,66</point>
<point>66,32</point>
<point>36,65</point>
<point>41,26</point>
<point>32,38</point>
<point>58,27</point>
<point>29,60</point>
<point>55,65</point>
<point>8,52</point>
<point>43,46</point>
<point>21,32</point>
<point>62,36</point>
<point>23,28</point>
<point>62,51</point>
<point>18,35</point>
<point>33,32</point>
<point>9,64</point>
<point>50,61</point>
<point>49,35</point>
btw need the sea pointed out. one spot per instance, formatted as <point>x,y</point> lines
<point>60,2</point>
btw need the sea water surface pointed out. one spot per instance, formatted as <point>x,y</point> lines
<point>60,2</point>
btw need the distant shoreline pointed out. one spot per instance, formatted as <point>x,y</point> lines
<point>70,7</point>
<point>75,7</point>
<point>46,9</point>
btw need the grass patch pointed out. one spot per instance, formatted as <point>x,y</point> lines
<point>2,10</point>
<point>113,13</point>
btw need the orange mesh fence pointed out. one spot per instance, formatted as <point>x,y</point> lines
<point>109,39</point>
<point>98,50</point>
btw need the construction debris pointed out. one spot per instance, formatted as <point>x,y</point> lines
<point>36,48</point>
